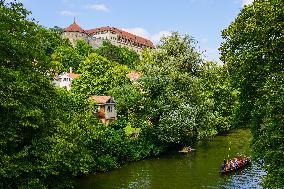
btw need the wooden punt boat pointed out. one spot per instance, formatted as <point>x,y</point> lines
<point>237,163</point>
<point>186,150</point>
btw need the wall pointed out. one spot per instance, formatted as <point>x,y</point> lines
<point>74,36</point>
<point>110,114</point>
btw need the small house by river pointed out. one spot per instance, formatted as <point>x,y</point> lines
<point>106,111</point>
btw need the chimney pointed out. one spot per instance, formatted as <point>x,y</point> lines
<point>71,70</point>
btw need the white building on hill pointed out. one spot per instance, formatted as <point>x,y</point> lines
<point>64,80</point>
<point>116,36</point>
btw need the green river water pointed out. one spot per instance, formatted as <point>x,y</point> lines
<point>175,170</point>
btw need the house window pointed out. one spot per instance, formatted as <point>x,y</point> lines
<point>109,108</point>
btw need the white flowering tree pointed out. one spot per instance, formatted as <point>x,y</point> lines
<point>171,99</point>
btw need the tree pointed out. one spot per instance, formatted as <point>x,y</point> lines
<point>180,51</point>
<point>170,79</point>
<point>45,132</point>
<point>22,40</point>
<point>57,30</point>
<point>83,49</point>
<point>66,56</point>
<point>217,87</point>
<point>167,97</point>
<point>98,76</point>
<point>121,55</point>
<point>253,52</point>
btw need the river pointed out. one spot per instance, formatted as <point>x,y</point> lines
<point>174,170</point>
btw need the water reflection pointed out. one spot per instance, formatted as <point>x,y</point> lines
<point>182,171</point>
<point>250,177</point>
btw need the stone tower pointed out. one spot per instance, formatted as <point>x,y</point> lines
<point>75,32</point>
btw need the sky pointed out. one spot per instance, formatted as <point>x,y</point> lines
<point>202,19</point>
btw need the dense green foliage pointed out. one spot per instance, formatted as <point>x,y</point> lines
<point>44,131</point>
<point>99,75</point>
<point>66,56</point>
<point>121,55</point>
<point>43,135</point>
<point>22,40</point>
<point>217,87</point>
<point>174,99</point>
<point>254,54</point>
<point>49,135</point>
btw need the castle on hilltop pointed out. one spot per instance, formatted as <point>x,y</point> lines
<point>95,37</point>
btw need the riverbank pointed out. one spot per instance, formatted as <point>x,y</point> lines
<point>175,170</point>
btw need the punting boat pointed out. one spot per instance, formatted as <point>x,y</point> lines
<point>236,163</point>
<point>186,150</point>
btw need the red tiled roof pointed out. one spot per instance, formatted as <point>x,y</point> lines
<point>124,34</point>
<point>133,75</point>
<point>100,99</point>
<point>74,28</point>
<point>72,75</point>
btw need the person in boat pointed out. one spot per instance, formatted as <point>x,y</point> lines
<point>227,165</point>
<point>189,149</point>
<point>233,164</point>
<point>223,166</point>
<point>236,162</point>
<point>240,162</point>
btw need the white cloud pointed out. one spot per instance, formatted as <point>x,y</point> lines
<point>138,31</point>
<point>247,2</point>
<point>210,54</point>
<point>68,13</point>
<point>98,7</point>
<point>154,37</point>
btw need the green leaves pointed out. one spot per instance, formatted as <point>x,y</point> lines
<point>44,131</point>
<point>99,75</point>
<point>173,95</point>
<point>120,55</point>
<point>253,52</point>
<point>66,56</point>
<point>24,44</point>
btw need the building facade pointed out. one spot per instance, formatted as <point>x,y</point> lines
<point>118,37</point>
<point>106,111</point>
<point>64,80</point>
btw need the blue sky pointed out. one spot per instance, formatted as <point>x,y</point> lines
<point>202,19</point>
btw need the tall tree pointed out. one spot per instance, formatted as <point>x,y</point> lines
<point>99,75</point>
<point>44,132</point>
<point>168,95</point>
<point>217,87</point>
<point>121,55</point>
<point>22,40</point>
<point>83,49</point>
<point>254,54</point>
<point>66,56</point>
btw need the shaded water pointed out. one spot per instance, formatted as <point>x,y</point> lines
<point>182,171</point>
